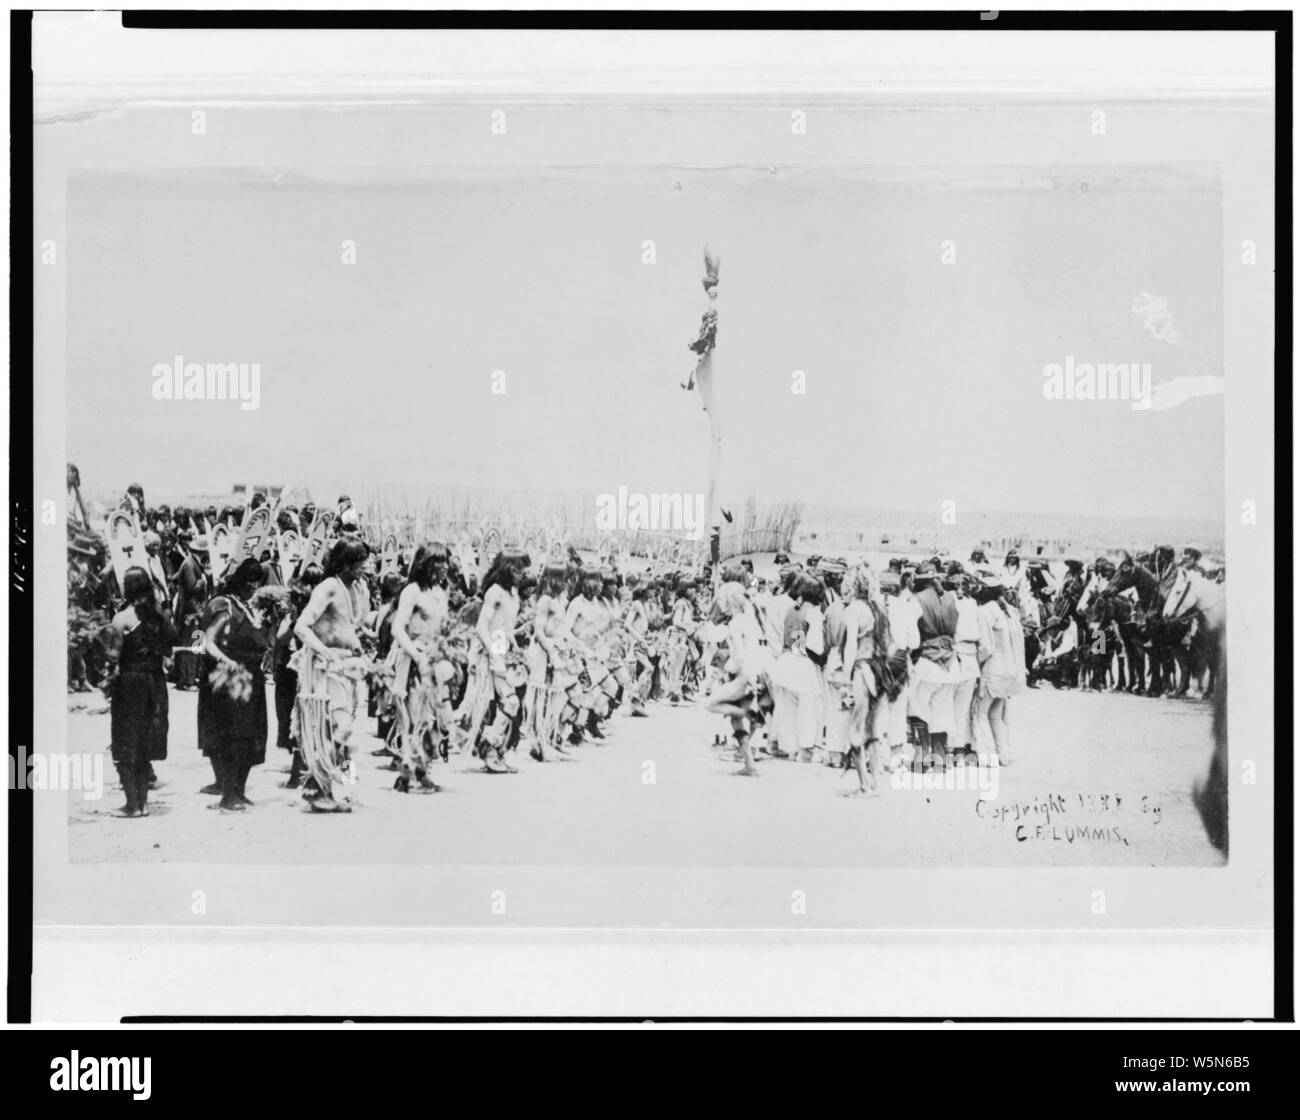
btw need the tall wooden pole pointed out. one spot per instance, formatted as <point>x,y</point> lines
<point>706,382</point>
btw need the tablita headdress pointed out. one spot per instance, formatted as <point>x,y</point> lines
<point>712,266</point>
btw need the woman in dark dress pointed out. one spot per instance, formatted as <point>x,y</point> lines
<point>140,636</point>
<point>232,708</point>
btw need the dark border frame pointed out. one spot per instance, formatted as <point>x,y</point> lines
<point>22,418</point>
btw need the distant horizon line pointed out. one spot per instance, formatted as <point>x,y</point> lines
<point>809,507</point>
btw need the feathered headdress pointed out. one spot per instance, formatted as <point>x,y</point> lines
<point>712,266</point>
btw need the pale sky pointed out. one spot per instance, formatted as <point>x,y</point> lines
<point>924,380</point>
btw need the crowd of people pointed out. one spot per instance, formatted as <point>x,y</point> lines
<point>909,665</point>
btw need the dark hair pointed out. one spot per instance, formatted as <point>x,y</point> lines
<point>344,554</point>
<point>247,575</point>
<point>555,579</point>
<point>427,558</point>
<point>810,590</point>
<point>135,583</point>
<point>507,569</point>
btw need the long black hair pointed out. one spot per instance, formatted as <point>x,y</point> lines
<point>344,554</point>
<point>507,567</point>
<point>137,590</point>
<point>428,558</point>
<point>247,576</point>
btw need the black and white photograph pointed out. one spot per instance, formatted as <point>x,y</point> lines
<point>668,483</point>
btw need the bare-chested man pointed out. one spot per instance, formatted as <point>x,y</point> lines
<point>330,675</point>
<point>589,618</point>
<point>495,712</point>
<point>551,703</point>
<point>422,669</point>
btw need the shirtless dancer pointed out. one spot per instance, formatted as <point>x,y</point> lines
<point>588,618</point>
<point>422,671</point>
<point>494,643</point>
<point>330,675</point>
<point>551,705</point>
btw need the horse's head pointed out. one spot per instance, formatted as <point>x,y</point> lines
<point>1191,593</point>
<point>1124,578</point>
<point>1101,608</point>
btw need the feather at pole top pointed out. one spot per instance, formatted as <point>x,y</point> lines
<point>712,268</point>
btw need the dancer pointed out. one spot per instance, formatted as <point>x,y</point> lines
<point>422,669</point>
<point>494,711</point>
<point>935,669</point>
<point>637,621</point>
<point>744,697</point>
<point>866,639</point>
<point>588,619</point>
<point>232,714</point>
<point>330,669</point>
<point>139,637</point>
<point>1002,671</point>
<point>681,629</point>
<point>551,703</point>
<point>904,637</point>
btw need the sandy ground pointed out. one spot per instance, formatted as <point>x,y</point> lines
<point>1098,780</point>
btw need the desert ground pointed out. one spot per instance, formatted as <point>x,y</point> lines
<point>1097,780</point>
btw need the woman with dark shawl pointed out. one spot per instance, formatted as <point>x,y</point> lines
<point>232,686</point>
<point>140,637</point>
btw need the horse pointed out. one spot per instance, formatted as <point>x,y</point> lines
<point>1159,637</point>
<point>1192,596</point>
<point>1110,655</point>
